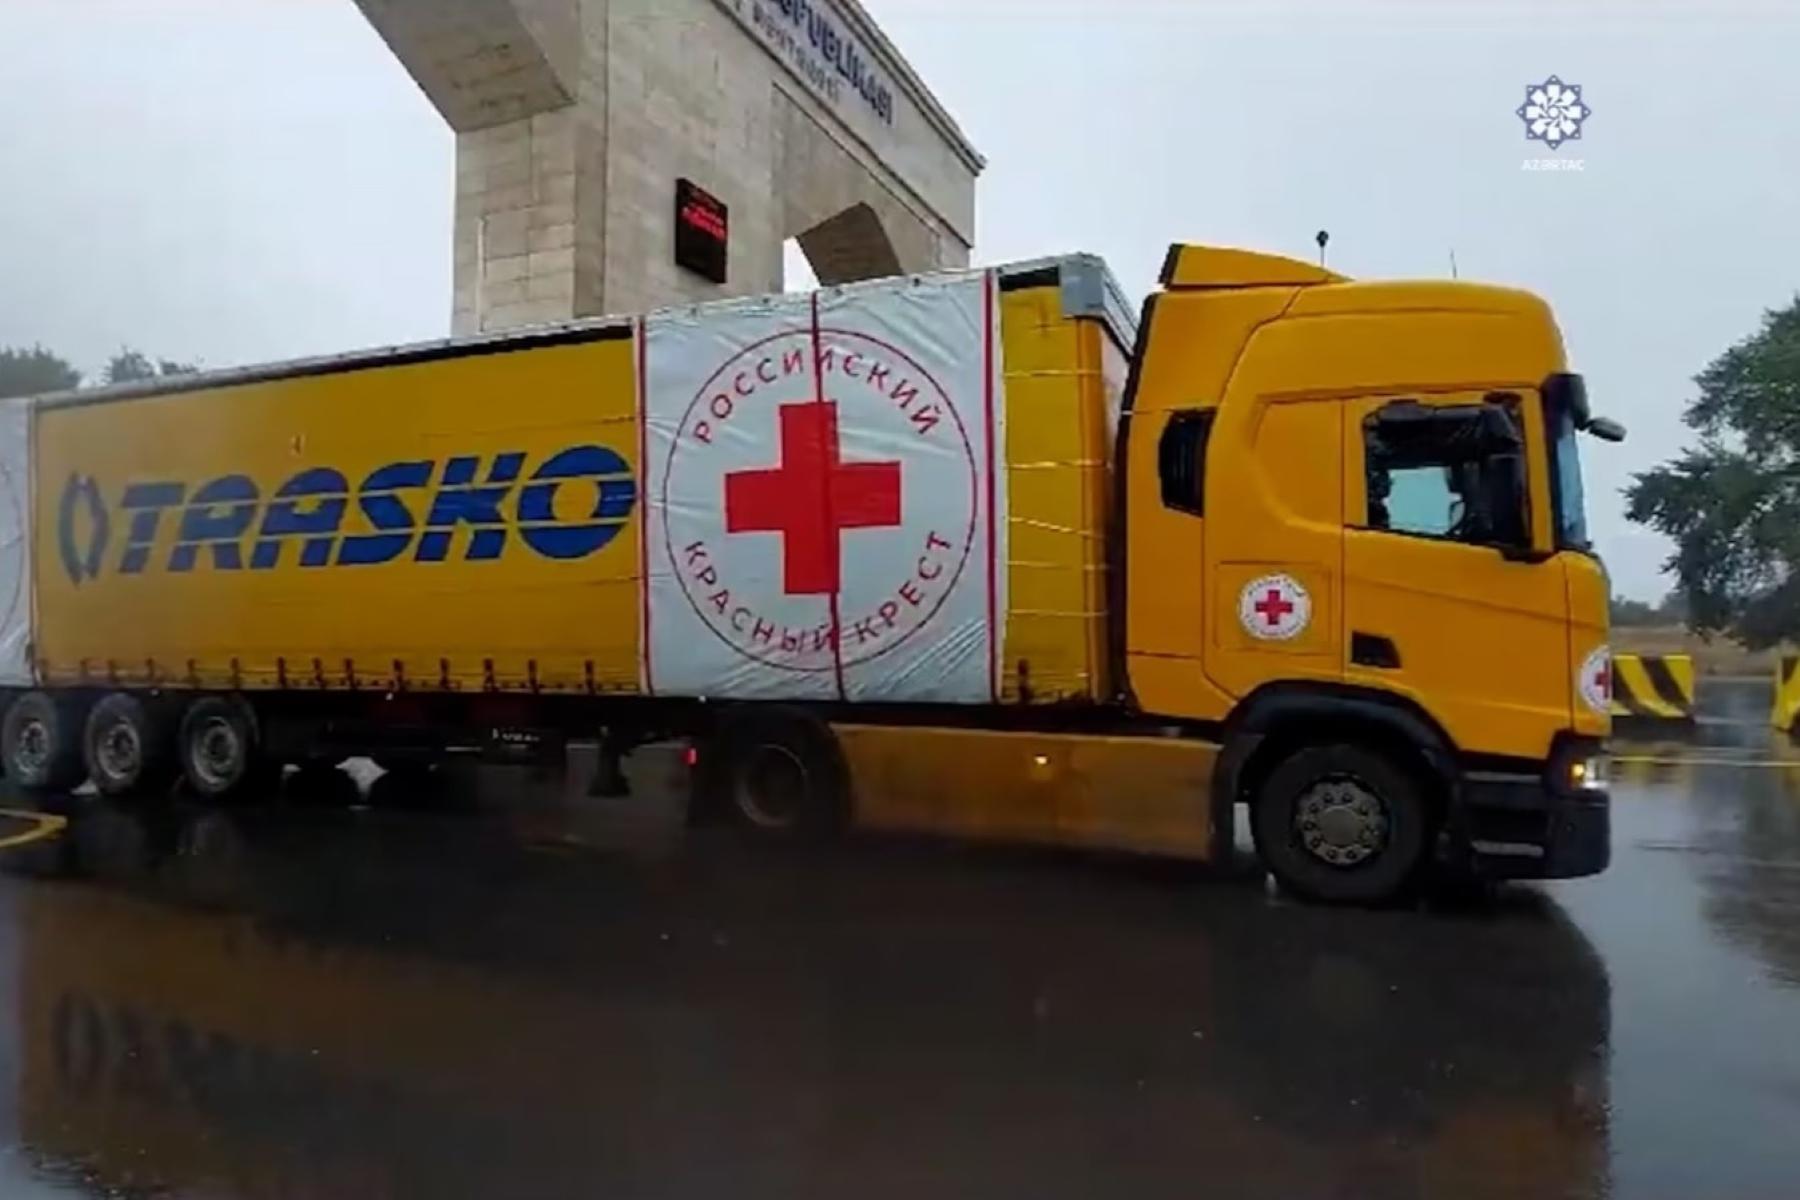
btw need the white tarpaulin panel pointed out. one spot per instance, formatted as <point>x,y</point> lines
<point>824,495</point>
<point>15,543</point>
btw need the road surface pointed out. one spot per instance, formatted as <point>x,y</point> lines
<point>577,999</point>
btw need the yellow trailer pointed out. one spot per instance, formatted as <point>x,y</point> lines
<point>975,552</point>
<point>402,520</point>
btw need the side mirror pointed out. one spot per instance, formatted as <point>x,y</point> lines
<point>1606,429</point>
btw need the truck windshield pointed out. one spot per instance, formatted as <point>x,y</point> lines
<point>1565,479</point>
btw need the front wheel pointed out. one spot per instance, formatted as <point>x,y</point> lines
<point>1340,824</point>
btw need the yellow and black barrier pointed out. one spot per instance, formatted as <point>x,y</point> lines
<point>1657,686</point>
<point>1787,692</point>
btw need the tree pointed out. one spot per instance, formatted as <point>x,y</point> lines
<point>33,372</point>
<point>1670,610</point>
<point>1628,612</point>
<point>131,366</point>
<point>1732,503</point>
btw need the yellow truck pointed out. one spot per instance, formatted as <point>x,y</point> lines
<point>975,553</point>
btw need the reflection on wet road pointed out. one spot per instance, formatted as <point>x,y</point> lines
<point>548,1001</point>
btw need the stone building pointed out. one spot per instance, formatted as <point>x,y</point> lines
<point>577,121</point>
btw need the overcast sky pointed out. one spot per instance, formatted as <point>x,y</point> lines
<point>239,180</point>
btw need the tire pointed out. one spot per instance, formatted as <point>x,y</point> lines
<point>127,747</point>
<point>776,773</point>
<point>220,750</point>
<point>1340,824</point>
<point>40,740</point>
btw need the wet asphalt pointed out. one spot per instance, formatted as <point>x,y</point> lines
<point>552,996</point>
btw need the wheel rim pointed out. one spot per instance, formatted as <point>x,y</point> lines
<point>771,787</point>
<point>118,754</point>
<point>218,750</point>
<point>1341,822</point>
<point>34,747</point>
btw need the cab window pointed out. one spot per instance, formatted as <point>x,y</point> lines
<point>1455,473</point>
<point>1419,500</point>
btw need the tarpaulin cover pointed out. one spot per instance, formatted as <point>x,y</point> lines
<point>825,495</point>
<point>15,543</point>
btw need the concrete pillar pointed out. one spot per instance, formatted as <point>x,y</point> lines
<point>516,222</point>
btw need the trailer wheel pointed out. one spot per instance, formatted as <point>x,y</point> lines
<point>1340,824</point>
<point>777,773</point>
<point>127,747</point>
<point>220,751</point>
<point>40,740</point>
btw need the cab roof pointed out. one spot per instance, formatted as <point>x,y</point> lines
<point>1224,267</point>
<point>1204,268</point>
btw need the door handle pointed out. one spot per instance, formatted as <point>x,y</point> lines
<point>1373,650</point>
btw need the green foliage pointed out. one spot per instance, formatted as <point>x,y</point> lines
<point>33,372</point>
<point>1732,503</point>
<point>132,366</point>
<point>1670,610</point>
<point>1626,611</point>
<point>37,371</point>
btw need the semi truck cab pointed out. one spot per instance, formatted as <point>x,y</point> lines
<point>1353,517</point>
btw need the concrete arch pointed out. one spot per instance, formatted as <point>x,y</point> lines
<point>574,119</point>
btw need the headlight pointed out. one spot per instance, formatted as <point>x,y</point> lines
<point>1588,774</point>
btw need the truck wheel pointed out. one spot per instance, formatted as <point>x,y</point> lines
<point>221,755</point>
<point>1340,824</point>
<point>127,747</point>
<point>41,743</point>
<point>777,773</point>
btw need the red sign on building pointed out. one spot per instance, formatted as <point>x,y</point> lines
<point>702,231</point>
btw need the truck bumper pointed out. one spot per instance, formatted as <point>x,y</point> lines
<point>1548,825</point>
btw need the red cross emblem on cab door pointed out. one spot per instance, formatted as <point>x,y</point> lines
<point>1274,607</point>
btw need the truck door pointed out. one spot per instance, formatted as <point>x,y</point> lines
<point>1452,596</point>
<point>1273,560</point>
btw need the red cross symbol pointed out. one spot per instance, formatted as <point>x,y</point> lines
<point>1603,680</point>
<point>811,498</point>
<point>1273,606</point>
